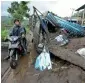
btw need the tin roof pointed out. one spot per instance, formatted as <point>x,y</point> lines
<point>82,7</point>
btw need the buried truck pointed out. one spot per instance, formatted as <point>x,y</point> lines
<point>47,26</point>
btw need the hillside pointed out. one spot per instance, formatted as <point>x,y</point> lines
<point>5,19</point>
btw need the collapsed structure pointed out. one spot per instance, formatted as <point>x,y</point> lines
<point>44,25</point>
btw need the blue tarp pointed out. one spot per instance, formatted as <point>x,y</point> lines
<point>73,28</point>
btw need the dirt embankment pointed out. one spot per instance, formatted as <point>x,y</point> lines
<point>68,52</point>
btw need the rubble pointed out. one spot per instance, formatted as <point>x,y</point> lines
<point>51,24</point>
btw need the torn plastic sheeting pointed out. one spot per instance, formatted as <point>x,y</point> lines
<point>43,61</point>
<point>62,40</point>
<point>59,38</point>
<point>81,52</point>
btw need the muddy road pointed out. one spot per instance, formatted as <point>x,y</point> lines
<point>4,64</point>
<point>62,72</point>
<point>15,76</point>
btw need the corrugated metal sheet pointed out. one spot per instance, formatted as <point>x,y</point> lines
<point>73,28</point>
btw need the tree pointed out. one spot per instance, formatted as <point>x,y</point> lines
<point>19,10</point>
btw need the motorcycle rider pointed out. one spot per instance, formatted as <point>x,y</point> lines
<point>18,30</point>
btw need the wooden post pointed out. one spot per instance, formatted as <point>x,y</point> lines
<point>83,17</point>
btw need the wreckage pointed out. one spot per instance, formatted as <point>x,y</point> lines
<point>45,28</point>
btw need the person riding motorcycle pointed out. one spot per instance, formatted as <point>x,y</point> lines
<point>19,30</point>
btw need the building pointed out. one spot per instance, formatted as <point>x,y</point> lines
<point>83,14</point>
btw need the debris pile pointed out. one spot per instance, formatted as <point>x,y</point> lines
<point>53,24</point>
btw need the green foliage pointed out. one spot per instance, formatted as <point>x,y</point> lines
<point>6,20</point>
<point>4,34</point>
<point>19,10</point>
<point>25,24</point>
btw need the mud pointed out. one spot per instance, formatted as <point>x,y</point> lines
<point>70,75</point>
<point>68,52</point>
<point>4,64</point>
<point>62,72</point>
<point>76,43</point>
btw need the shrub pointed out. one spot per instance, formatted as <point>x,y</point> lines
<point>4,34</point>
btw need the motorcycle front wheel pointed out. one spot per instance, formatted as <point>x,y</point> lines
<point>13,64</point>
<point>13,60</point>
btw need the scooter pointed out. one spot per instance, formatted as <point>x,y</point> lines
<point>15,50</point>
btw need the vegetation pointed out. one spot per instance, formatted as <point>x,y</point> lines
<point>4,34</point>
<point>19,10</point>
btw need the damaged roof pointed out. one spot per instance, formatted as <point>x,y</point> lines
<point>82,7</point>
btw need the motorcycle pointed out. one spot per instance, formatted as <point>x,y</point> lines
<point>15,49</point>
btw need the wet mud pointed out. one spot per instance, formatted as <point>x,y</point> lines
<point>62,72</point>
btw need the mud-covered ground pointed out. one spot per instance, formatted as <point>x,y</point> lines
<point>62,71</point>
<point>4,64</point>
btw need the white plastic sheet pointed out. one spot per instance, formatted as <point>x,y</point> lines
<point>62,39</point>
<point>43,61</point>
<point>81,52</point>
<point>59,38</point>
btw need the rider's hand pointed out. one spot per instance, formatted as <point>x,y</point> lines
<point>23,35</point>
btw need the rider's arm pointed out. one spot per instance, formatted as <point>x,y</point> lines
<point>23,30</point>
